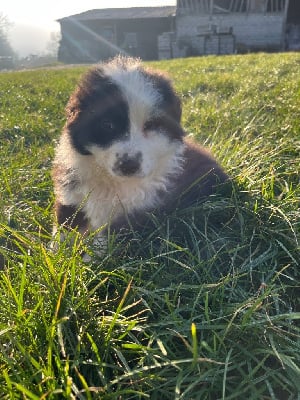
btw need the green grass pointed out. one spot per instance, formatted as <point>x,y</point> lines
<point>200,309</point>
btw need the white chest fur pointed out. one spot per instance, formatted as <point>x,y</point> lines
<point>103,197</point>
<point>104,203</point>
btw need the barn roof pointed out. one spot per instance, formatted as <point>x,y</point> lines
<point>124,13</point>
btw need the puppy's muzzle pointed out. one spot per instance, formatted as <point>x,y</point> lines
<point>128,165</point>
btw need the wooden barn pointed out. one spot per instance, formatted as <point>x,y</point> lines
<point>193,27</point>
<point>100,34</point>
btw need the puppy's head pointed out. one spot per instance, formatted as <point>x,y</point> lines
<point>126,117</point>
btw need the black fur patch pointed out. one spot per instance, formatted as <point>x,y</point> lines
<point>98,113</point>
<point>170,107</point>
<point>70,216</point>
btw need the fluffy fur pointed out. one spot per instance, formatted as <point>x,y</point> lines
<point>122,152</point>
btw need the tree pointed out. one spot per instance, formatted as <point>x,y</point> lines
<point>53,44</point>
<point>5,47</point>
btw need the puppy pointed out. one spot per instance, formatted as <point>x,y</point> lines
<point>123,153</point>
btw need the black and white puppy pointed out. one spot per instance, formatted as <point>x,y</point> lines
<point>122,152</point>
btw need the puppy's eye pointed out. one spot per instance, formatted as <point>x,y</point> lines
<point>107,124</point>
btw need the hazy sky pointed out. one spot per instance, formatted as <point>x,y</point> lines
<point>34,20</point>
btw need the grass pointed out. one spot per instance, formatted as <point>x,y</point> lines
<point>206,306</point>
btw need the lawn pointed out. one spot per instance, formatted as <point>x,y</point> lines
<point>210,313</point>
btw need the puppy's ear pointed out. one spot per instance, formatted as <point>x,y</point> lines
<point>73,107</point>
<point>171,102</point>
<point>174,108</point>
<point>91,86</point>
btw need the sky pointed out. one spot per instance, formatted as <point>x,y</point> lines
<point>34,20</point>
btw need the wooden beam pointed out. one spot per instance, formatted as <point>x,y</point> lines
<point>207,6</point>
<point>284,25</point>
<point>248,6</point>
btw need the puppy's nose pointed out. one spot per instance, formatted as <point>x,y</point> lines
<point>128,165</point>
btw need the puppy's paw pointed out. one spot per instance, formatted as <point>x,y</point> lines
<point>98,248</point>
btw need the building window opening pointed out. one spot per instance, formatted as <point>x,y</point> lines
<point>275,6</point>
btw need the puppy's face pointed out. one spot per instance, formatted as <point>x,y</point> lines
<point>127,118</point>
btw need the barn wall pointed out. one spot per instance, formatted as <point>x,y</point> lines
<point>250,31</point>
<point>91,41</point>
<point>147,31</point>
